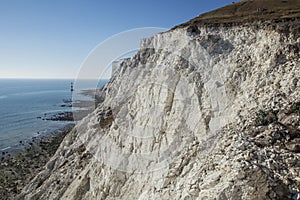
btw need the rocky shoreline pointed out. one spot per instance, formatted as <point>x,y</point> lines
<point>67,115</point>
<point>19,165</point>
<point>18,168</point>
<point>82,108</point>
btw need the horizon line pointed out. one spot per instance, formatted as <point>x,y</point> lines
<point>35,78</point>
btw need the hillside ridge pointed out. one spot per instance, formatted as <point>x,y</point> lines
<point>249,11</point>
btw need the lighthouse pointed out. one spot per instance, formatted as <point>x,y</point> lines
<point>72,88</point>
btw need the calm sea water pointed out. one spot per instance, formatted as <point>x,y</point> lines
<point>22,102</point>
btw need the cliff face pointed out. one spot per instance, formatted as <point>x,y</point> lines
<point>200,112</point>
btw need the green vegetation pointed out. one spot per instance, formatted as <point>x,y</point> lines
<point>247,11</point>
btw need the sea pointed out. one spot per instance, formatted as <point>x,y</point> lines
<point>24,102</point>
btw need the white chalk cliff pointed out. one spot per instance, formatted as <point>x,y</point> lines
<point>203,111</point>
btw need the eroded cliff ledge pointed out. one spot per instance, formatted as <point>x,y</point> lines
<point>200,112</point>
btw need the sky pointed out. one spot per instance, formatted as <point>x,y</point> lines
<point>52,38</point>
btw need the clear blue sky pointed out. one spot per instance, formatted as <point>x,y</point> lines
<point>51,38</point>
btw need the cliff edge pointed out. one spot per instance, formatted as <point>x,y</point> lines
<point>249,11</point>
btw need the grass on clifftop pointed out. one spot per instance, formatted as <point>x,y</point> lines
<point>246,11</point>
